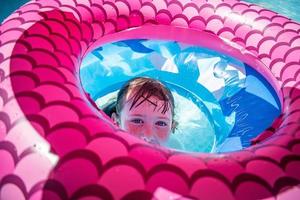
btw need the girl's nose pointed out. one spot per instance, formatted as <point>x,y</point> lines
<point>148,130</point>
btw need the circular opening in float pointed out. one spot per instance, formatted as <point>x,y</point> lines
<point>221,103</point>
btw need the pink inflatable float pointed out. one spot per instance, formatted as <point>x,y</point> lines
<point>55,145</point>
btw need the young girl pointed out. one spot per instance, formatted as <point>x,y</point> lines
<point>145,108</point>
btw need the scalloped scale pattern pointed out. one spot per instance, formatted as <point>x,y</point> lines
<point>41,47</point>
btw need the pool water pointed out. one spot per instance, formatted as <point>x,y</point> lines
<point>288,8</point>
<point>220,102</point>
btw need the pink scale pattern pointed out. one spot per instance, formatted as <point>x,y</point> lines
<point>41,47</point>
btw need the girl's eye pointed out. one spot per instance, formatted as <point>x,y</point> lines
<point>137,121</point>
<point>161,123</point>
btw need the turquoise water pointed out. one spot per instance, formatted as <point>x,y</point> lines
<point>288,8</point>
<point>220,102</point>
<point>9,6</point>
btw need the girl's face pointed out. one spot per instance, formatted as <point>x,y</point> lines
<point>146,120</point>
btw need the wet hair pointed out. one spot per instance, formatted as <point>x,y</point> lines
<point>143,88</point>
<point>110,107</point>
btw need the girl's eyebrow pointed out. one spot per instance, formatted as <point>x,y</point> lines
<point>140,115</point>
<point>137,115</point>
<point>165,118</point>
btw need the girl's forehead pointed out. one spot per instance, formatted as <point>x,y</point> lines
<point>145,101</point>
<point>147,105</point>
<point>148,113</point>
<point>136,97</point>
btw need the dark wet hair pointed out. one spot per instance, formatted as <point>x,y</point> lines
<point>110,107</point>
<point>145,88</point>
